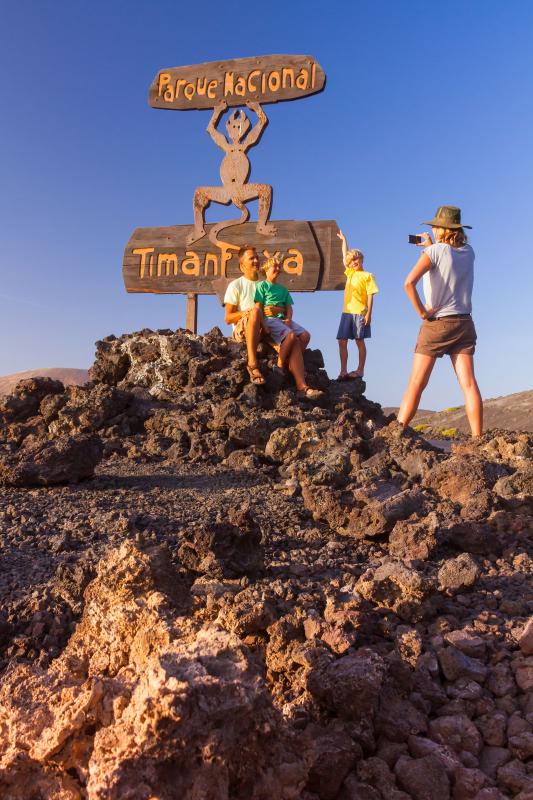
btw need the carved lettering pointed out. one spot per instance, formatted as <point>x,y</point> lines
<point>274,81</point>
<point>166,261</point>
<point>211,259</point>
<point>288,73</point>
<point>252,87</point>
<point>225,256</point>
<point>169,94</point>
<point>143,252</point>
<point>294,262</point>
<point>302,79</point>
<point>240,87</point>
<point>164,79</point>
<point>228,83</point>
<point>191,264</point>
<point>264,79</point>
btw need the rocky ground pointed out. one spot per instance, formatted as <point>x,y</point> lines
<point>212,590</point>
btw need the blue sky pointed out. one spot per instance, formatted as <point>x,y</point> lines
<point>423,106</point>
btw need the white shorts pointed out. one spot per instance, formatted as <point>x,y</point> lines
<point>278,330</point>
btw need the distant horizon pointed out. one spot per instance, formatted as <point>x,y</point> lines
<point>383,405</point>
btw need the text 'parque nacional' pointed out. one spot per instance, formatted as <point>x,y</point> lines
<point>265,79</point>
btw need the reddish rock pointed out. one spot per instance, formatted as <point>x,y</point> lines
<point>376,772</point>
<point>133,706</point>
<point>397,588</point>
<point>456,664</point>
<point>354,789</point>
<point>457,574</point>
<point>492,758</point>
<point>333,756</point>
<point>524,675</point>
<point>500,681</point>
<point>493,728</point>
<point>465,479</point>
<point>457,732</point>
<point>513,777</point>
<point>468,782</point>
<point>414,539</point>
<point>225,548</point>
<point>467,642</point>
<point>423,778</point>
<point>420,747</point>
<point>350,686</point>
<point>521,745</point>
<point>67,459</point>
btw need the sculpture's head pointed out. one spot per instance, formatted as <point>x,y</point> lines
<point>237,126</point>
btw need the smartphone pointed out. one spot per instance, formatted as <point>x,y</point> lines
<point>414,238</point>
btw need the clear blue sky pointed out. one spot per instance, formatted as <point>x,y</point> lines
<point>425,104</point>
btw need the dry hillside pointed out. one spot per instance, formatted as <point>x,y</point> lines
<point>68,377</point>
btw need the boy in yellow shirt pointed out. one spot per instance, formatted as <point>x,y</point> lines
<point>357,311</point>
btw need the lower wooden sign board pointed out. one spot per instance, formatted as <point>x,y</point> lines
<point>159,260</point>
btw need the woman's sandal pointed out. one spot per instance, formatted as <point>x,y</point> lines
<point>256,376</point>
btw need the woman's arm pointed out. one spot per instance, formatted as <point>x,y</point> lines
<point>422,266</point>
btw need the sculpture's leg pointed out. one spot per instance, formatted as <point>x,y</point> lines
<point>264,192</point>
<point>204,195</point>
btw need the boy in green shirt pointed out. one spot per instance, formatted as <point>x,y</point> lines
<point>276,304</point>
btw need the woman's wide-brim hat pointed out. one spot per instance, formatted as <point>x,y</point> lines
<point>447,217</point>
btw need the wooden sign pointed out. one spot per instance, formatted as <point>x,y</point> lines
<point>159,260</point>
<point>262,79</point>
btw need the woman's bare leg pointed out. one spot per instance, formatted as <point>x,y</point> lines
<point>422,368</point>
<point>463,365</point>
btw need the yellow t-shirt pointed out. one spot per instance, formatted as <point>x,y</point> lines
<point>359,284</point>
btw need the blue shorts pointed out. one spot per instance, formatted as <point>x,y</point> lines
<point>278,330</point>
<point>352,326</point>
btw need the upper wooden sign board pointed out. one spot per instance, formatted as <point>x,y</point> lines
<point>261,79</point>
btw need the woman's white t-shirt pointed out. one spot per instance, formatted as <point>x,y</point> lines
<point>448,283</point>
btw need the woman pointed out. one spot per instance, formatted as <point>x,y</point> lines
<point>447,269</point>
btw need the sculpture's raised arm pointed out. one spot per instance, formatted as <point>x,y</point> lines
<point>218,138</point>
<point>255,134</point>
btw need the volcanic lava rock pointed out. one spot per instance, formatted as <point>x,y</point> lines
<point>227,548</point>
<point>397,588</point>
<point>67,459</point>
<point>256,595</point>
<point>141,704</point>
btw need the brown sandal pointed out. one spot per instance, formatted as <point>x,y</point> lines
<point>309,393</point>
<point>256,376</point>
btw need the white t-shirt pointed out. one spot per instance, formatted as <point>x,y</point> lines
<point>448,284</point>
<point>241,293</point>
